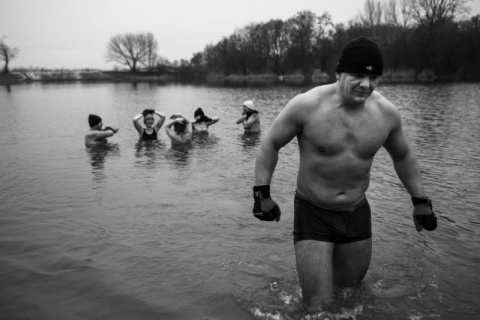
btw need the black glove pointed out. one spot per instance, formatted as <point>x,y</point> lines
<point>423,215</point>
<point>264,207</point>
<point>109,128</point>
<point>148,111</point>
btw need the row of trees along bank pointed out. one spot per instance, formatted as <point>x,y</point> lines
<point>414,35</point>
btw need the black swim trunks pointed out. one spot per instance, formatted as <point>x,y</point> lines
<point>312,222</point>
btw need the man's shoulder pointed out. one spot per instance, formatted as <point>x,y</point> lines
<point>318,91</point>
<point>383,103</point>
<point>385,109</point>
<point>313,98</point>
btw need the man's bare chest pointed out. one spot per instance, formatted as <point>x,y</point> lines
<point>363,135</point>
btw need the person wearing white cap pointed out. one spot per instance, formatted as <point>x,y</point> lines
<point>250,117</point>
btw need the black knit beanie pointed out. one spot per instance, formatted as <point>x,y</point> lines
<point>198,112</point>
<point>361,56</point>
<point>93,120</point>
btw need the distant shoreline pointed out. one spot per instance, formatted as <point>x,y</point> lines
<point>317,77</point>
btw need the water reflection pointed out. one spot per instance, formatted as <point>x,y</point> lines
<point>98,156</point>
<point>410,272</point>
<point>430,118</point>
<point>180,154</point>
<point>250,140</point>
<point>146,152</point>
<point>204,140</point>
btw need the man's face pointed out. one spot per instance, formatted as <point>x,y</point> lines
<point>357,88</point>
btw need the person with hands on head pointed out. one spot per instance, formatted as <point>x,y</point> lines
<point>250,118</point>
<point>182,129</point>
<point>339,128</point>
<point>150,132</point>
<point>98,136</point>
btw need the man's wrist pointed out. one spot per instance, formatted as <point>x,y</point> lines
<point>421,200</point>
<point>264,189</point>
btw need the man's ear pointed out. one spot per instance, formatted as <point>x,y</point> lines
<point>337,75</point>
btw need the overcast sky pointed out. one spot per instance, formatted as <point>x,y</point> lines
<point>75,33</point>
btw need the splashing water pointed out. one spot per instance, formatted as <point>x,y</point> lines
<point>345,314</point>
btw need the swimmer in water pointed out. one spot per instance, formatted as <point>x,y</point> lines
<point>182,129</point>
<point>202,122</point>
<point>98,136</point>
<point>250,118</point>
<point>150,132</point>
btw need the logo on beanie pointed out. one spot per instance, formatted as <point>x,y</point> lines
<point>361,55</point>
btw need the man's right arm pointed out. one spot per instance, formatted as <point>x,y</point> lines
<point>285,127</point>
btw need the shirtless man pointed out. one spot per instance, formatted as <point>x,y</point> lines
<point>250,118</point>
<point>339,128</point>
<point>96,136</point>
<point>182,130</point>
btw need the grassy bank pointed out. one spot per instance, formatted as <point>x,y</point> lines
<point>81,75</point>
<point>296,78</point>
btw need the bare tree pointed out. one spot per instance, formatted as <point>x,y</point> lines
<point>390,13</point>
<point>406,11</point>
<point>398,13</point>
<point>7,54</point>
<point>373,13</point>
<point>133,49</point>
<point>278,42</point>
<point>152,47</point>
<point>198,60</point>
<point>434,13</point>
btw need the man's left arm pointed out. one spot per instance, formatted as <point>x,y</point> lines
<point>408,172</point>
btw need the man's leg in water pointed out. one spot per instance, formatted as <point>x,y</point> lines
<point>351,261</point>
<point>315,272</point>
<point>320,265</point>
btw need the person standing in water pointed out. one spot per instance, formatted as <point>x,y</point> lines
<point>250,118</point>
<point>202,122</point>
<point>150,132</point>
<point>98,136</point>
<point>339,128</point>
<point>182,129</point>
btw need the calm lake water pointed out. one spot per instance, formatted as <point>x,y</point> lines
<point>147,231</point>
